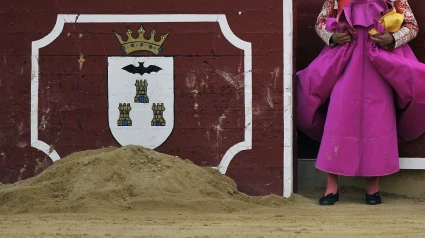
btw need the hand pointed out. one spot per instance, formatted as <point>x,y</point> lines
<point>384,40</point>
<point>341,38</point>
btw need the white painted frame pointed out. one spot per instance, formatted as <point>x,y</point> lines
<point>289,126</point>
<point>288,122</point>
<point>106,18</point>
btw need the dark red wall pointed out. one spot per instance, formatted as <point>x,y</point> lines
<point>73,101</point>
<point>309,45</point>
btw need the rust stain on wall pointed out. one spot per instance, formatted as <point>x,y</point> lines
<point>81,61</point>
<point>275,75</point>
<point>234,80</point>
<point>269,97</point>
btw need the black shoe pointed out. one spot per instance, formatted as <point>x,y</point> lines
<point>373,199</point>
<point>329,199</point>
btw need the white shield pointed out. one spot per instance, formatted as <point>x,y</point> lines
<point>141,107</point>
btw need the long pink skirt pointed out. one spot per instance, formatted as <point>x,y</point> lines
<point>360,101</point>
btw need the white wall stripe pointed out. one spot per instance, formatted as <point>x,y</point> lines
<point>288,152</point>
<point>412,163</point>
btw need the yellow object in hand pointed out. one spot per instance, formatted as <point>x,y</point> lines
<point>391,22</point>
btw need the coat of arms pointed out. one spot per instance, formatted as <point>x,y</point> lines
<point>141,92</point>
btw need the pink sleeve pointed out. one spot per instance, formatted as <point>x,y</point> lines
<point>410,28</point>
<point>320,27</point>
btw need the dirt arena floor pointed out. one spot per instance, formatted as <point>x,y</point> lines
<point>398,217</point>
<point>160,198</point>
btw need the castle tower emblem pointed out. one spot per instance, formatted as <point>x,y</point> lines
<point>158,114</point>
<point>124,119</point>
<point>141,91</point>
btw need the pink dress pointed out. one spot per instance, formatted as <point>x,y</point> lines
<point>360,100</point>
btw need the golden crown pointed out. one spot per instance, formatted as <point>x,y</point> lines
<point>140,43</point>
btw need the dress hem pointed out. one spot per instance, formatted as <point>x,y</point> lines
<point>358,175</point>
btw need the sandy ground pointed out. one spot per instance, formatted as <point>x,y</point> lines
<point>397,217</point>
<point>136,192</point>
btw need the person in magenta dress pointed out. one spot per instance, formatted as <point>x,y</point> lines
<point>364,93</point>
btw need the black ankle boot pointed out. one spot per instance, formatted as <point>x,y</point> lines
<point>329,199</point>
<point>373,199</point>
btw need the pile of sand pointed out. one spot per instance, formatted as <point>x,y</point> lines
<point>125,179</point>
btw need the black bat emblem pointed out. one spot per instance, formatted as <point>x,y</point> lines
<point>141,69</point>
